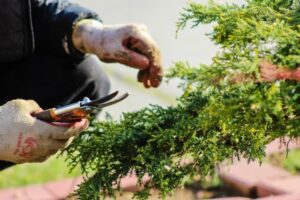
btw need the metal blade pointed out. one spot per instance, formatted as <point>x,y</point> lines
<point>101,100</point>
<point>117,100</point>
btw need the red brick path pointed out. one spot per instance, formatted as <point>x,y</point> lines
<point>49,191</point>
<point>268,182</point>
<point>265,181</point>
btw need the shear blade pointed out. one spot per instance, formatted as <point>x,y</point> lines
<point>101,100</point>
<point>117,100</point>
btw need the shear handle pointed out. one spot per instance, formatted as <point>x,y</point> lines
<point>47,115</point>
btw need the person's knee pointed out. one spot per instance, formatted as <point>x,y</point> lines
<point>96,83</point>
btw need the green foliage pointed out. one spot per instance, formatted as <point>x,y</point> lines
<point>214,119</point>
<point>290,162</point>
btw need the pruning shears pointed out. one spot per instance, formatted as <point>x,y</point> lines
<point>76,111</point>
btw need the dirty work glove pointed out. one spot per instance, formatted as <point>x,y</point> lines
<point>23,138</point>
<point>127,44</point>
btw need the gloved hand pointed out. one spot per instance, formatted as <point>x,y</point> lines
<point>23,138</point>
<point>127,44</point>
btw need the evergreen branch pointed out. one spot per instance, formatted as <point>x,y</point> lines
<point>226,109</point>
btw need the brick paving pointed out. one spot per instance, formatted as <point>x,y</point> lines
<point>268,182</point>
<point>271,182</point>
<point>50,191</point>
<point>61,189</point>
<point>281,186</point>
<point>232,198</point>
<point>282,197</point>
<point>58,190</point>
<point>282,145</point>
<point>129,183</point>
<point>244,176</point>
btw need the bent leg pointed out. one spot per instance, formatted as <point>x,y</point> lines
<point>53,81</point>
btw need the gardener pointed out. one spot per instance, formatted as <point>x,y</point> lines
<point>45,56</point>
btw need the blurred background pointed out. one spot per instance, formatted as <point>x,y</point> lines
<point>160,16</point>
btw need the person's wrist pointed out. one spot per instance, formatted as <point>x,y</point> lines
<point>283,74</point>
<point>295,75</point>
<point>83,35</point>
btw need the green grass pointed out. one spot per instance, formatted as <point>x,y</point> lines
<point>291,162</point>
<point>34,173</point>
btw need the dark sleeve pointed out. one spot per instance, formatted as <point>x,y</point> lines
<point>53,22</point>
<point>5,164</point>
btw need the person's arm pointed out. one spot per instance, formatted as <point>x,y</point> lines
<point>62,27</point>
<point>289,74</point>
<point>53,23</point>
<point>129,44</point>
<point>270,72</point>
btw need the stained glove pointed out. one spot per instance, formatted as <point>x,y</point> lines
<point>127,44</point>
<point>24,138</point>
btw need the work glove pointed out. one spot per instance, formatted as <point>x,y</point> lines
<point>24,138</point>
<point>127,44</point>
